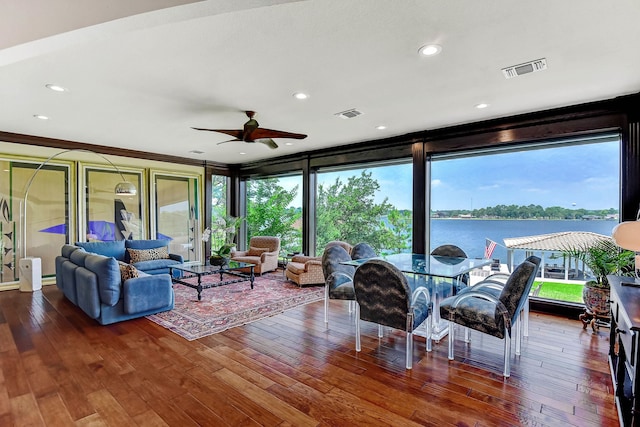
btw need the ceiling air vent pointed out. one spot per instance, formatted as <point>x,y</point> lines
<point>526,68</point>
<point>349,114</point>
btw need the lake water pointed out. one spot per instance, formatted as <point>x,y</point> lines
<point>471,234</point>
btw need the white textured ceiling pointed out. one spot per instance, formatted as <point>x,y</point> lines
<point>140,79</point>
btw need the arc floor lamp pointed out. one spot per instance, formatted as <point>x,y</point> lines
<point>124,188</point>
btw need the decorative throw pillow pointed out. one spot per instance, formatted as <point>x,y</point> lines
<point>127,271</point>
<point>137,255</point>
<point>256,251</point>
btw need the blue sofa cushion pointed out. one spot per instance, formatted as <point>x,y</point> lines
<point>155,264</point>
<point>67,250</point>
<point>108,273</point>
<point>68,274</point>
<point>87,291</point>
<point>78,257</point>
<point>109,249</point>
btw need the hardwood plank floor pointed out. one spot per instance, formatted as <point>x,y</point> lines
<point>60,368</point>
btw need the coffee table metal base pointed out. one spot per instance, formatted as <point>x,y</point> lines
<point>206,272</point>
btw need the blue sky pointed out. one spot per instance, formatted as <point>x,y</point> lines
<point>584,176</point>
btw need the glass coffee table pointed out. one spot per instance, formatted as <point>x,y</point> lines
<point>198,270</point>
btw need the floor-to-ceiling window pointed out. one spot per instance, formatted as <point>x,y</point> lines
<point>176,203</point>
<point>274,208</point>
<point>562,186</point>
<point>109,216</point>
<point>35,214</point>
<point>365,203</point>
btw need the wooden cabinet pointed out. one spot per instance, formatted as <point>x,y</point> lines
<point>623,351</point>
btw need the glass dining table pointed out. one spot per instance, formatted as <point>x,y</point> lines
<point>436,273</point>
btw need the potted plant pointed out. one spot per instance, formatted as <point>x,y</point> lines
<point>602,258</point>
<point>222,234</point>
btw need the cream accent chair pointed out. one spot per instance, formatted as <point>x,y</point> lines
<point>263,252</point>
<point>307,270</point>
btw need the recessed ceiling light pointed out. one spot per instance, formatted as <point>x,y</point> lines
<point>381,127</point>
<point>481,105</point>
<point>288,143</point>
<point>430,49</point>
<point>56,88</point>
<point>242,153</point>
<point>300,95</point>
<point>41,117</point>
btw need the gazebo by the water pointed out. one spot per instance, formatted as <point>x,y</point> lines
<point>554,242</point>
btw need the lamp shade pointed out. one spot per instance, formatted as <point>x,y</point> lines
<point>627,235</point>
<point>125,189</point>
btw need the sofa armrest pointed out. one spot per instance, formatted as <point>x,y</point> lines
<point>176,257</point>
<point>145,293</point>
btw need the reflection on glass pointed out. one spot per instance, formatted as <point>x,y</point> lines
<point>176,207</point>
<point>109,216</point>
<point>47,213</point>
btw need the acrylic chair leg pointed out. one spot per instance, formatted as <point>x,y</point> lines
<point>351,306</point>
<point>518,331</point>
<point>507,354</point>
<point>326,304</point>
<point>358,348</point>
<point>409,350</point>
<point>450,338</point>
<point>380,334</point>
<point>467,335</point>
<point>429,330</point>
<point>525,318</point>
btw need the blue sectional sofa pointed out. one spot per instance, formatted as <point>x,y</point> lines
<point>149,264</point>
<point>91,277</point>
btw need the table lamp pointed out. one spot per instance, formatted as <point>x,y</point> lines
<point>627,236</point>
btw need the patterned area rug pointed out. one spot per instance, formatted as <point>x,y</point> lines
<point>232,305</point>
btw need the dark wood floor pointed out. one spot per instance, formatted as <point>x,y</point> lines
<point>59,368</point>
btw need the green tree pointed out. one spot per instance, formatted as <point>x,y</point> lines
<point>400,222</point>
<point>348,212</point>
<point>268,213</point>
<point>218,196</point>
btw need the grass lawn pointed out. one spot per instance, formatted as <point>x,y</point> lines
<point>560,291</point>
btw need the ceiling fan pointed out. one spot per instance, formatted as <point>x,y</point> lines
<point>253,133</point>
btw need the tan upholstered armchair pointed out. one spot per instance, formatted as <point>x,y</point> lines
<point>305,270</point>
<point>263,252</point>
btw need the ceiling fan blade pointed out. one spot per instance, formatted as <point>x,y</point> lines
<point>268,142</point>
<point>270,133</point>
<point>236,133</point>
